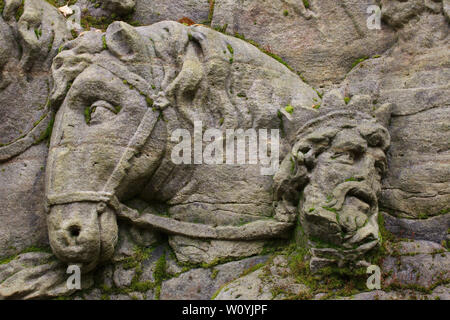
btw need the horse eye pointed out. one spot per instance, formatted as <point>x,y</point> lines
<point>99,112</point>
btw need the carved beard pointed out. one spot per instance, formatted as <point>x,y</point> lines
<point>347,217</point>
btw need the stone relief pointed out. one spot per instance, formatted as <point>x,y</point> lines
<point>333,174</point>
<point>117,76</point>
<point>113,99</point>
<point>124,145</point>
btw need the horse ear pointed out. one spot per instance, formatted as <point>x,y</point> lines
<point>125,42</point>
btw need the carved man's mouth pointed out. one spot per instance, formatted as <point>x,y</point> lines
<point>356,204</point>
<point>362,195</point>
<point>358,190</point>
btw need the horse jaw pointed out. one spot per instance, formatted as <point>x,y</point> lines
<point>81,234</point>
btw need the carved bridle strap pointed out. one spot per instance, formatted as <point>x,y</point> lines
<point>78,196</point>
<point>143,132</point>
<point>141,135</point>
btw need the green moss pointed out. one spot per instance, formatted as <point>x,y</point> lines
<point>358,61</point>
<point>142,286</point>
<point>188,266</point>
<point>69,85</point>
<point>129,263</point>
<point>139,255</point>
<point>347,100</point>
<point>285,13</point>
<point>292,165</point>
<point>2,6</point>
<point>38,33</point>
<point>117,109</point>
<point>87,114</point>
<point>20,10</point>
<point>59,3</point>
<point>160,272</point>
<point>142,253</point>
<point>230,49</point>
<point>214,273</point>
<point>396,285</point>
<point>330,209</point>
<point>271,54</point>
<point>50,43</point>
<point>101,23</point>
<point>26,250</point>
<point>306,4</point>
<point>217,292</point>
<point>47,133</point>
<point>39,121</point>
<point>333,281</point>
<point>252,269</point>
<point>221,120</point>
<point>274,56</point>
<point>105,46</point>
<point>318,93</point>
<point>319,243</point>
<point>7,260</point>
<point>149,101</point>
<point>105,297</point>
<point>302,77</point>
<point>289,109</point>
<point>135,261</point>
<point>158,292</point>
<point>36,249</point>
<point>385,234</point>
<point>422,215</point>
<point>222,29</point>
<point>212,4</point>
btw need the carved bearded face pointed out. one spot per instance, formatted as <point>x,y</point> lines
<point>339,204</point>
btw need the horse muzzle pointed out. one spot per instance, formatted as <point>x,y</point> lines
<point>82,233</point>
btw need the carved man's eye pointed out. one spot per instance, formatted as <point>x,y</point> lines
<point>100,111</point>
<point>344,157</point>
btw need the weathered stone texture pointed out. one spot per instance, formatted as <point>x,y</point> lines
<point>201,284</point>
<point>397,77</point>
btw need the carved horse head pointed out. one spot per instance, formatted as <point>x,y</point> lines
<point>100,144</point>
<point>119,95</point>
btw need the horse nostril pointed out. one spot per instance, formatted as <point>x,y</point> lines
<point>74,231</point>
